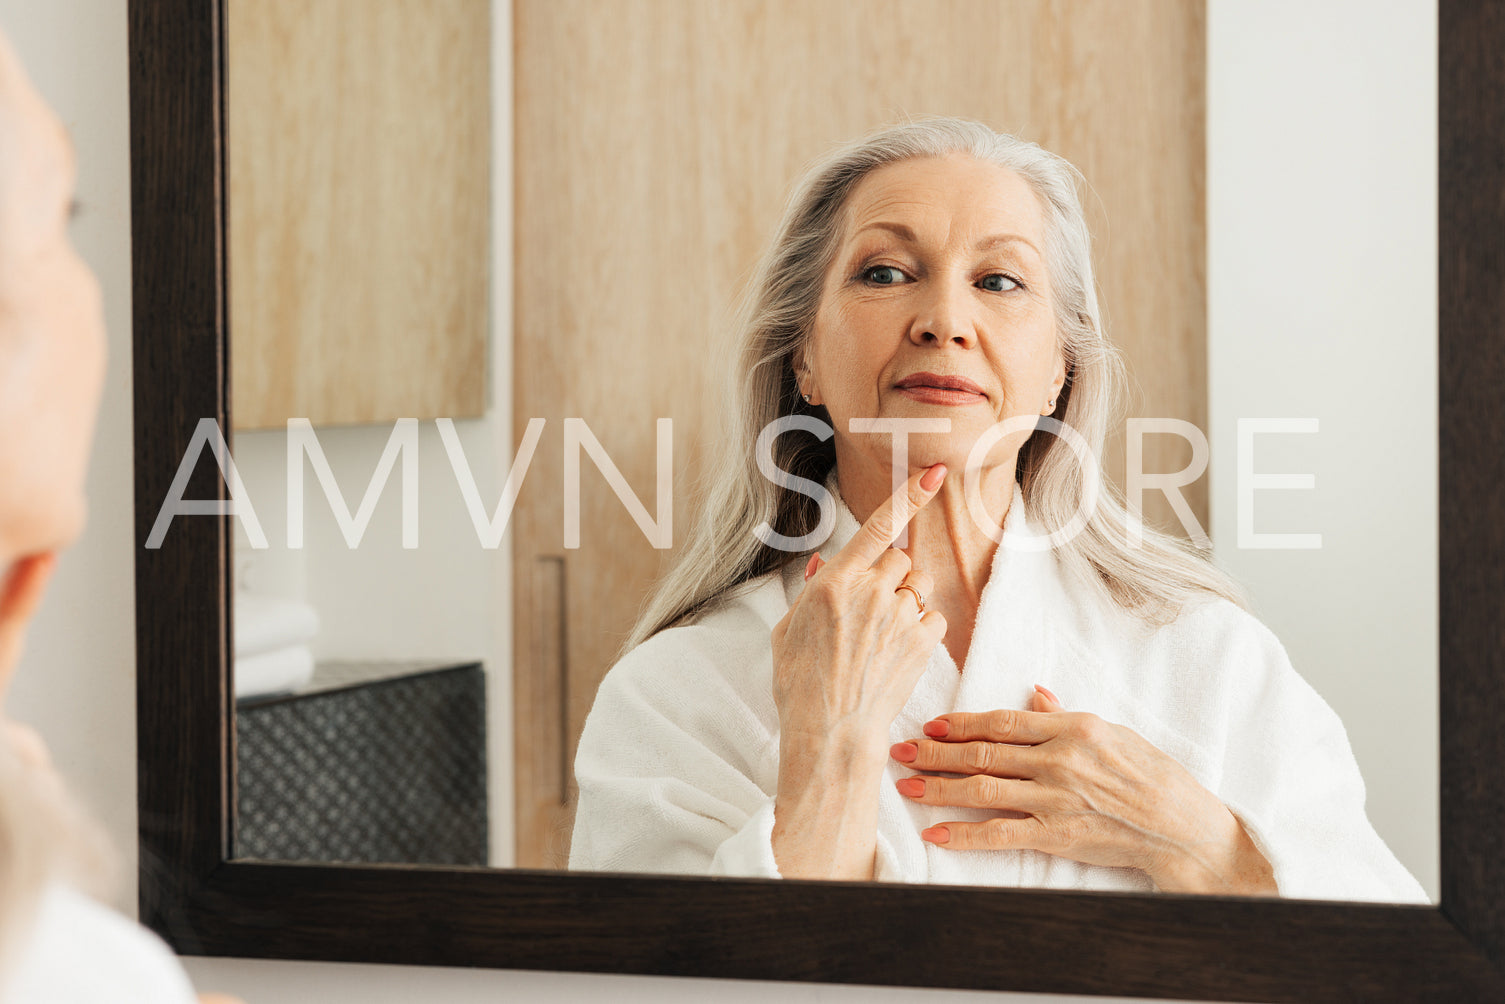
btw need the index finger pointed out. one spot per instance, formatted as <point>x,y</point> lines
<point>883,527</point>
<point>1002,726</point>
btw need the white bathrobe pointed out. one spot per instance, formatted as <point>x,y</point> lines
<point>679,760</point>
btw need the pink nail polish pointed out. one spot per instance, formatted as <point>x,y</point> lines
<point>937,729</point>
<point>904,752</point>
<point>936,835</point>
<point>932,479</point>
<point>1046,691</point>
<point>812,565</point>
<point>911,787</point>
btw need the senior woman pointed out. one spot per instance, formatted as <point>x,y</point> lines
<point>57,944</point>
<point>852,672</point>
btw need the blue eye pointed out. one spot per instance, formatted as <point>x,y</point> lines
<point>883,275</point>
<point>998,283</point>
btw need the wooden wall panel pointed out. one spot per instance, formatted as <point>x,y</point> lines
<point>359,166</point>
<point>655,143</point>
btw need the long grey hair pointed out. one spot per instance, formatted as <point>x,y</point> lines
<point>1152,577</point>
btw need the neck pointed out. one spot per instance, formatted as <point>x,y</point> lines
<point>944,538</point>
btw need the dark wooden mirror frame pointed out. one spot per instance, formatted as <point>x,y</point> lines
<point>206,903</point>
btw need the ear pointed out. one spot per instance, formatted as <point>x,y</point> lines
<point>804,380</point>
<point>1058,381</point>
<point>20,595</point>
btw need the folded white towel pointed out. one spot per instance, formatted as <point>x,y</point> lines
<point>267,623</point>
<point>273,672</point>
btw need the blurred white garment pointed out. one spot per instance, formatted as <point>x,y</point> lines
<point>81,952</point>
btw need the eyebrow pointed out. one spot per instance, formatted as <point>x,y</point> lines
<point>904,233</point>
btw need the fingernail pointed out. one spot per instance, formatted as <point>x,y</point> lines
<point>812,565</point>
<point>913,787</point>
<point>932,479</point>
<point>936,835</point>
<point>937,729</point>
<point>904,752</point>
<point>1046,691</point>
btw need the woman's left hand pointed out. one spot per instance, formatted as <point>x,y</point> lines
<point>1093,791</point>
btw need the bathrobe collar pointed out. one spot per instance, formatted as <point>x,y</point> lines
<point>1021,637</point>
<point>1020,583</point>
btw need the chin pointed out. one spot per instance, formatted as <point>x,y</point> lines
<point>929,449</point>
<point>52,529</point>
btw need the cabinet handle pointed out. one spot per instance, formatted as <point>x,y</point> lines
<point>552,654</point>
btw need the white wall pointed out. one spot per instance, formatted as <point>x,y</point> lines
<point>77,680</point>
<point>1322,291</point>
<point>376,600</point>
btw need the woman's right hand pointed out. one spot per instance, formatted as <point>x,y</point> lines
<point>846,657</point>
<point>850,650</point>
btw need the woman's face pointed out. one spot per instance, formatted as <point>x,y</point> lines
<point>52,344</point>
<point>937,305</point>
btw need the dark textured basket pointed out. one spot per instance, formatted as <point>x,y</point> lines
<point>366,766</point>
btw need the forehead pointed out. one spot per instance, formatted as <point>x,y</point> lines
<point>947,198</point>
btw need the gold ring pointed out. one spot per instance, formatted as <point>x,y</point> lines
<point>917,597</point>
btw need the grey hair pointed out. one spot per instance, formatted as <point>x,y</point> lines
<point>1153,577</point>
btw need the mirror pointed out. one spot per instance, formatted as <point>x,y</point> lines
<point>1237,280</point>
<point>207,902</point>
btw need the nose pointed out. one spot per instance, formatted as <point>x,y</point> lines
<point>945,316</point>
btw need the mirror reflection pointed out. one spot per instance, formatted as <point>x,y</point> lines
<point>505,334</point>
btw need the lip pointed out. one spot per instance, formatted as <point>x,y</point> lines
<point>937,380</point>
<point>937,388</point>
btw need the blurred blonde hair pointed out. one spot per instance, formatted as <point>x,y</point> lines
<point>45,836</point>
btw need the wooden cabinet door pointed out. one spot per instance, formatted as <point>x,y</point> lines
<point>655,142</point>
<point>359,165</point>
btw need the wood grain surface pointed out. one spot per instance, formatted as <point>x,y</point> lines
<point>359,165</point>
<point>655,144</point>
